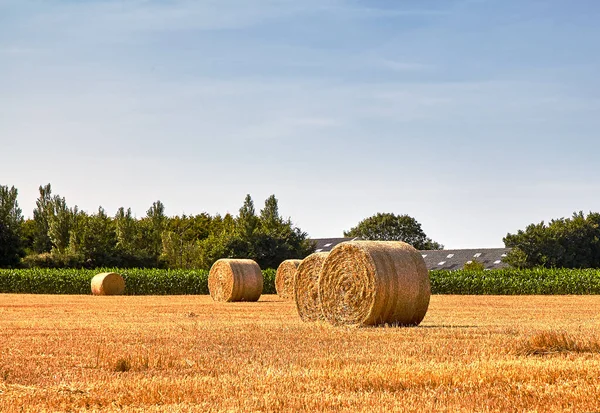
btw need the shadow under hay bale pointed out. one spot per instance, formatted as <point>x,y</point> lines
<point>306,287</point>
<point>373,283</point>
<point>108,283</point>
<point>284,279</point>
<point>235,280</point>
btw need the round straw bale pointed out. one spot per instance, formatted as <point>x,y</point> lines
<point>284,279</point>
<point>235,280</point>
<point>108,283</point>
<point>374,282</point>
<point>306,287</point>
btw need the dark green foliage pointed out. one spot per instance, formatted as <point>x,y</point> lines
<point>60,236</point>
<point>154,224</point>
<point>10,247</point>
<point>28,231</point>
<point>46,281</point>
<point>564,243</point>
<point>137,281</point>
<point>193,282</point>
<point>53,260</point>
<point>60,223</point>
<point>391,227</point>
<point>41,216</point>
<point>269,281</point>
<point>544,281</point>
<point>164,282</point>
<point>474,265</point>
<point>11,220</point>
<point>94,237</point>
<point>268,239</point>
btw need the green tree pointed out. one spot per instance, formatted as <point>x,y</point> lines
<point>181,248</point>
<point>94,238</point>
<point>218,244</point>
<point>270,220</point>
<point>132,235</point>
<point>28,233</point>
<point>391,227</point>
<point>268,239</point>
<point>77,231</point>
<point>247,221</point>
<point>11,220</point>
<point>59,224</point>
<point>277,239</point>
<point>125,228</point>
<point>42,214</point>
<point>566,242</point>
<point>155,221</point>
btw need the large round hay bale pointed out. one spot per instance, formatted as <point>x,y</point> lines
<point>235,280</point>
<point>374,282</point>
<point>306,287</point>
<point>108,283</point>
<point>284,279</point>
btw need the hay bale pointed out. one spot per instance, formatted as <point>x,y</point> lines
<point>235,280</point>
<point>306,287</point>
<point>374,282</point>
<point>284,279</point>
<point>108,283</point>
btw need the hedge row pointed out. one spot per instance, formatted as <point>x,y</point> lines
<point>137,281</point>
<point>176,282</point>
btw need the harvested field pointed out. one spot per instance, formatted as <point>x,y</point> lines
<point>188,353</point>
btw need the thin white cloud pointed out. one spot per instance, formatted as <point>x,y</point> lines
<point>402,66</point>
<point>15,50</point>
<point>132,16</point>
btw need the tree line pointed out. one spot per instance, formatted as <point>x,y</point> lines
<point>60,236</point>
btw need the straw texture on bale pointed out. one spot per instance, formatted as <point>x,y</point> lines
<point>306,287</point>
<point>284,279</point>
<point>108,283</point>
<point>374,282</point>
<point>235,280</point>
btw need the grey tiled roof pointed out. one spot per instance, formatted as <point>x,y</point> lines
<point>491,258</point>
<point>326,244</point>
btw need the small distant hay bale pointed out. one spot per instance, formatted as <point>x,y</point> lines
<point>306,287</point>
<point>235,280</point>
<point>108,283</point>
<point>374,282</point>
<point>284,279</point>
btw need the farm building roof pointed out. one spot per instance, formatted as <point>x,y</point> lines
<point>326,244</point>
<point>491,258</point>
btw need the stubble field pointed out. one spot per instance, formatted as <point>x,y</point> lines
<point>187,353</point>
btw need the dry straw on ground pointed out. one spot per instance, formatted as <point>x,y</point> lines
<point>306,288</point>
<point>374,282</point>
<point>284,279</point>
<point>108,283</point>
<point>550,342</point>
<point>73,353</point>
<point>235,280</point>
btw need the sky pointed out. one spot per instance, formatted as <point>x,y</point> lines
<point>475,117</point>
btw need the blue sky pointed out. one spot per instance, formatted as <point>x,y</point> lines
<point>476,117</point>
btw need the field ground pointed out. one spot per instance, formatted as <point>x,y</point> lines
<point>186,353</point>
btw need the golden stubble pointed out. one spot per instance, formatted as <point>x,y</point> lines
<point>188,353</point>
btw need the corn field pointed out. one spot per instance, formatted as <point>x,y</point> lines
<point>138,281</point>
<point>542,281</point>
